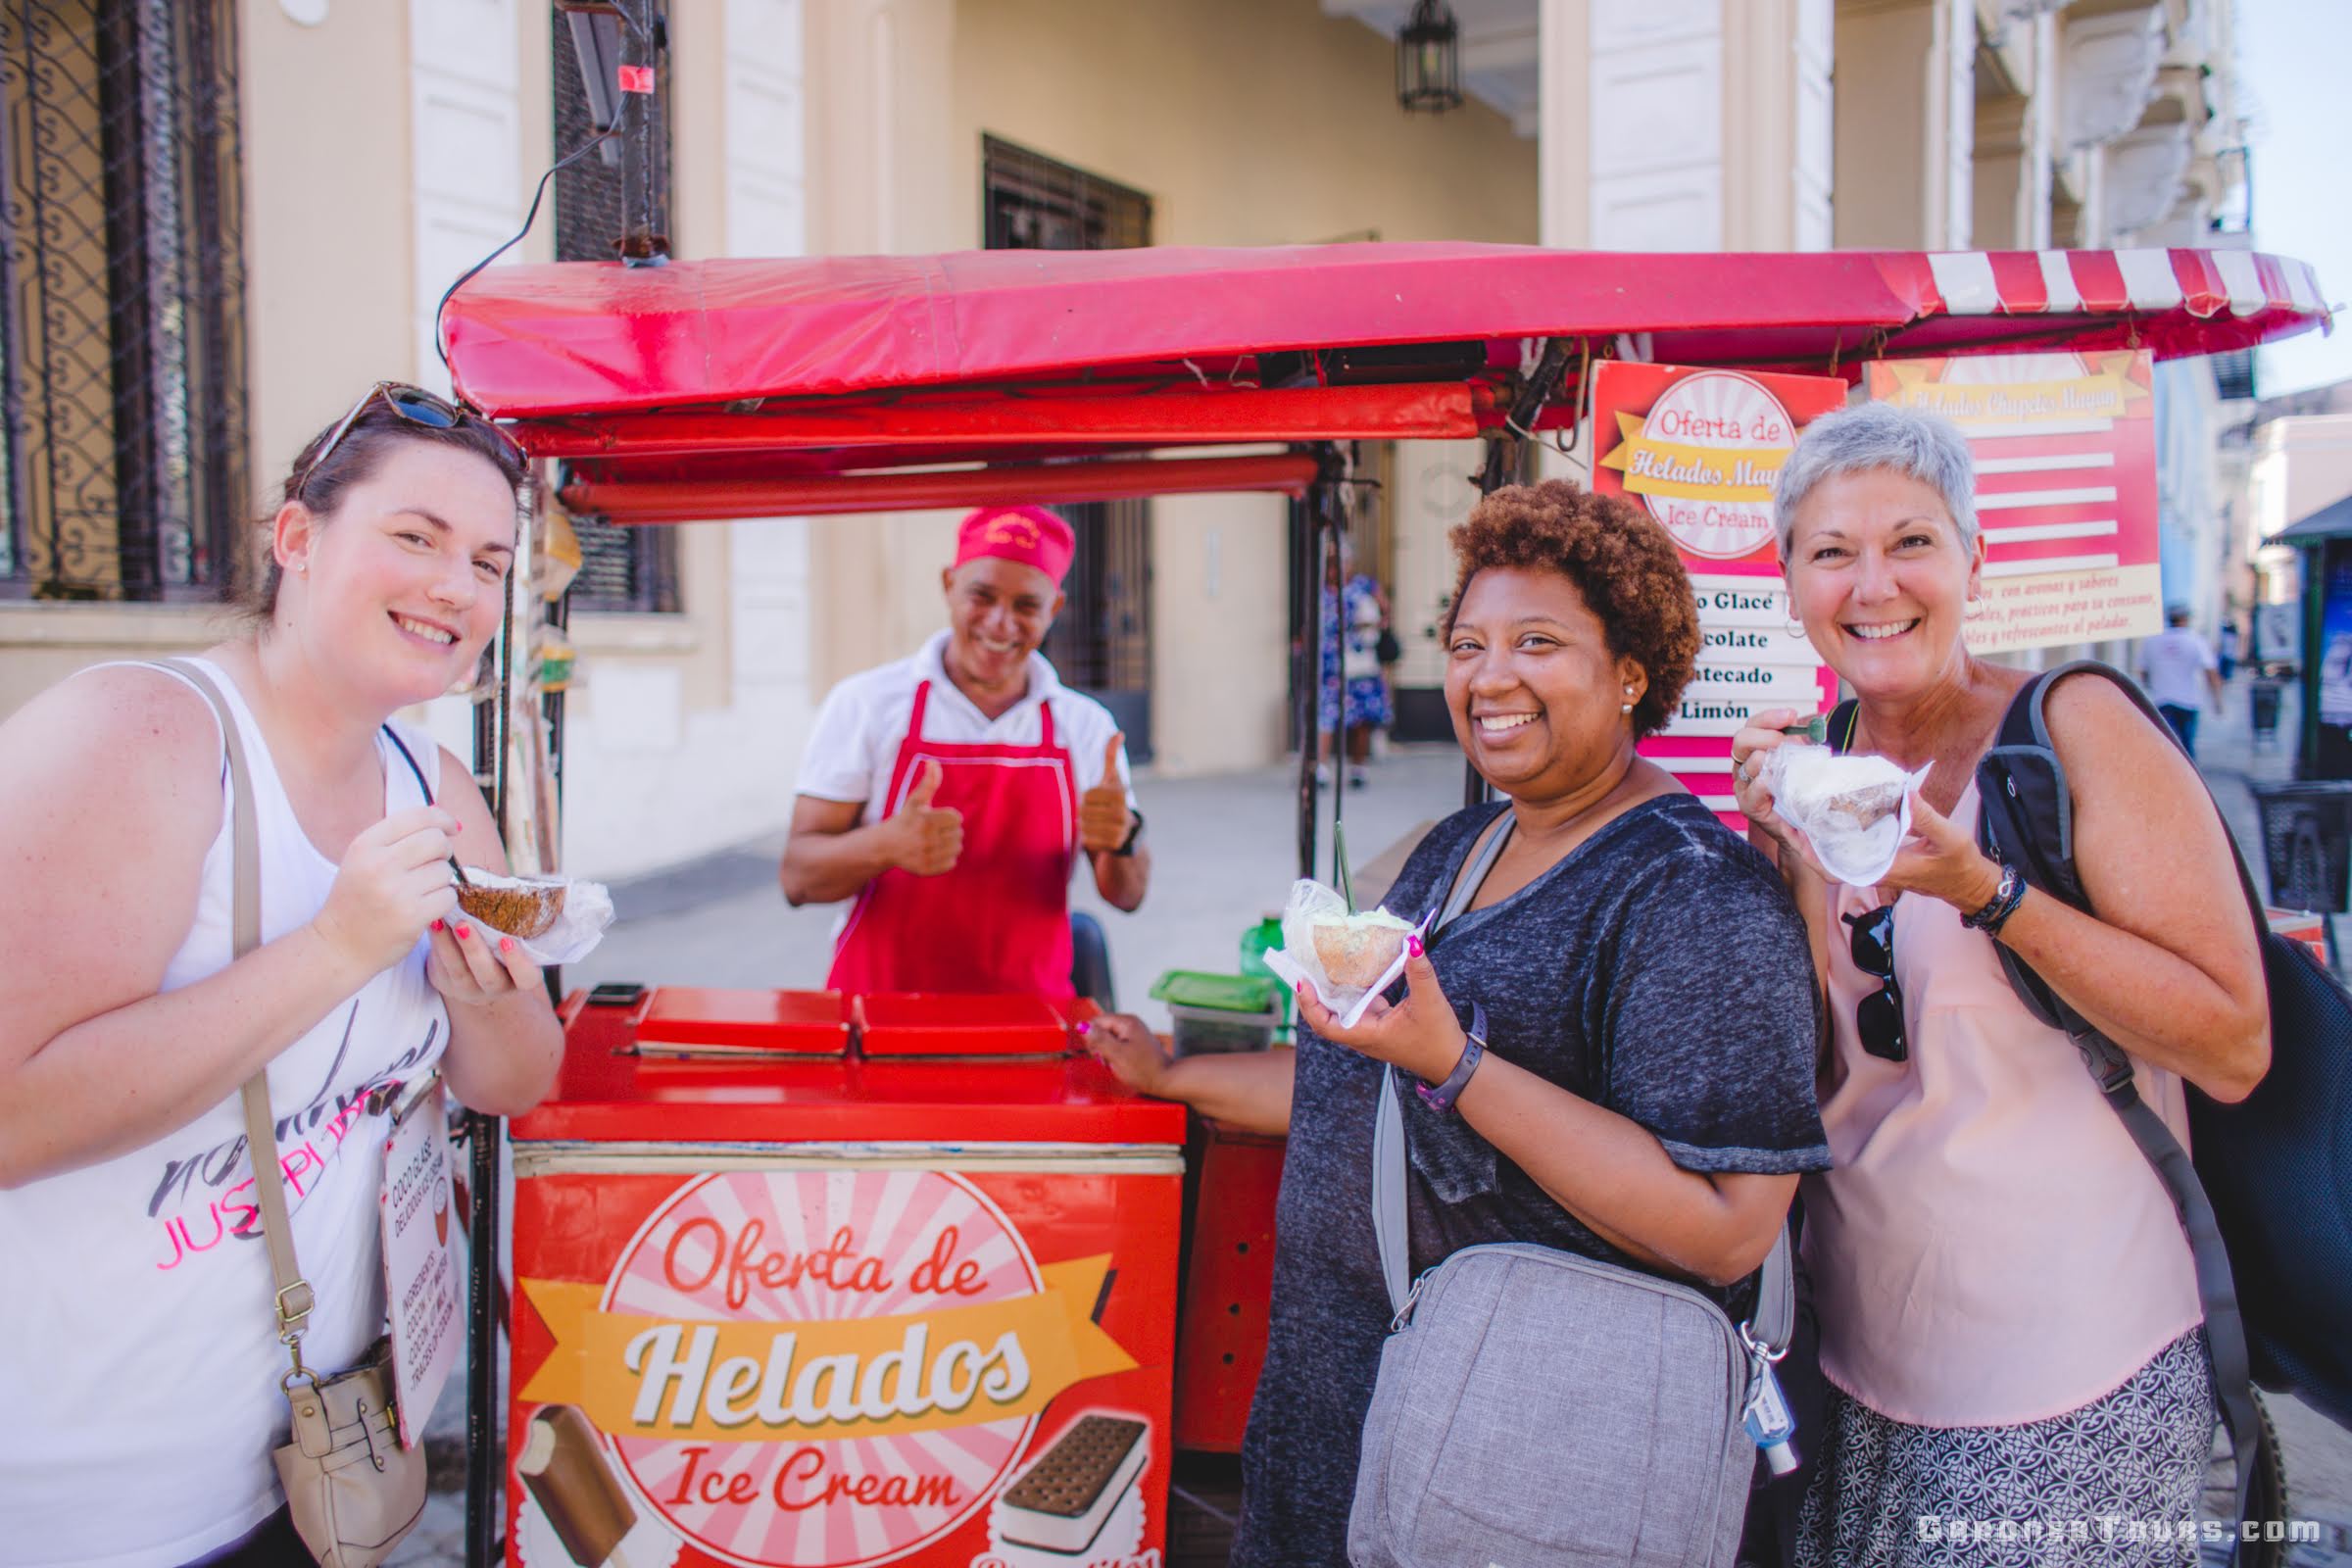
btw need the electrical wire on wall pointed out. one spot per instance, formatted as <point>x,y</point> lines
<point>623,53</point>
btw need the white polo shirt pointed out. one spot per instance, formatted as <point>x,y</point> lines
<point>2173,662</point>
<point>862,723</point>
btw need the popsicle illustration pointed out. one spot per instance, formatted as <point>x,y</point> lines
<point>567,1477</point>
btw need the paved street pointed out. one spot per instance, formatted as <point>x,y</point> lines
<point>1225,849</point>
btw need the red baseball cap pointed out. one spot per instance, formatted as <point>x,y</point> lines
<point>1029,535</point>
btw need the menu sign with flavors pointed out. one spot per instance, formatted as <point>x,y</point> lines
<point>1702,448</point>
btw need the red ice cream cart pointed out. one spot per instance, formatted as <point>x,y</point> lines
<point>784,1299</point>
<point>836,1309</point>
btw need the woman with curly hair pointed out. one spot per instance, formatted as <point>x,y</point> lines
<point>1645,1092</point>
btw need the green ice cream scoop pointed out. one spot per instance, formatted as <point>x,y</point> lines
<point>1815,729</point>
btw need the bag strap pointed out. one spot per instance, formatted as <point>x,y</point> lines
<point>294,1299</point>
<point>2027,723</point>
<point>1388,1125</point>
<point>2036,695</point>
<point>1775,1316</point>
<point>1843,719</point>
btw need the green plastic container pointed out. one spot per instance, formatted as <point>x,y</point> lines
<point>1220,1013</point>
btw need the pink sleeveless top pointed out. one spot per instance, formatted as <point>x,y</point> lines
<point>1989,1248</point>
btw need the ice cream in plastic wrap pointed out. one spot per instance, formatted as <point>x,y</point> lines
<point>556,919</point>
<point>1853,809</point>
<point>1349,958</point>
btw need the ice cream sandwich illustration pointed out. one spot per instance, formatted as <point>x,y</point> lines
<point>566,1473</point>
<point>1062,1501</point>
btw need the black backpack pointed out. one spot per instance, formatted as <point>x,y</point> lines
<point>2266,1204</point>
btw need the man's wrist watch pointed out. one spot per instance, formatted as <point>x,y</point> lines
<point>1135,831</point>
<point>1440,1097</point>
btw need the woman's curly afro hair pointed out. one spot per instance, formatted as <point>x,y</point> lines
<point>1621,562</point>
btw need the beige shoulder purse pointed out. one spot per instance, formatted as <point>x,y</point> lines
<point>353,1489</point>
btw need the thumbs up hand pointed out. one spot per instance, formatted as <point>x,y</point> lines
<point>1103,820</point>
<point>928,839</point>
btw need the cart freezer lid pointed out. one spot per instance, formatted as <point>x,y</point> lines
<point>606,1094</point>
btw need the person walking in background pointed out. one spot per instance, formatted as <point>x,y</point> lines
<point>2179,669</point>
<point>2226,647</point>
<point>1355,686</point>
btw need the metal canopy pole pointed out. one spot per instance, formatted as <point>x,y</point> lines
<point>1314,555</point>
<point>483,1135</point>
<point>640,38</point>
<point>1331,651</point>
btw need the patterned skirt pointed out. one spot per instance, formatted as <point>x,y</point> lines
<point>1367,702</point>
<point>2113,1485</point>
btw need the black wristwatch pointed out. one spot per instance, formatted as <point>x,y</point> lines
<point>1135,830</point>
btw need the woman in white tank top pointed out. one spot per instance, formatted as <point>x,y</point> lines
<point>139,1363</point>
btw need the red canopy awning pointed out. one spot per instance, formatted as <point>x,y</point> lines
<point>729,372</point>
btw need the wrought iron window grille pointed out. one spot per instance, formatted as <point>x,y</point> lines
<point>122,377</point>
<point>598,201</point>
<point>1100,643</point>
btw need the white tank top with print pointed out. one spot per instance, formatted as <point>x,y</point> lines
<point>139,1361</point>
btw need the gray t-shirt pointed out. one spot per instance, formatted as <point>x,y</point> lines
<point>1661,971</point>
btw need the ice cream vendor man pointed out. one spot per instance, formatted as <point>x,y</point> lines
<point>951,793</point>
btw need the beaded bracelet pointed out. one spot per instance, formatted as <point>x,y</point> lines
<point>2003,904</point>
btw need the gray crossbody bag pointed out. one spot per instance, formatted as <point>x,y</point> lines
<point>1538,1408</point>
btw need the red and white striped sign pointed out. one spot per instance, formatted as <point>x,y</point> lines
<point>2204,282</point>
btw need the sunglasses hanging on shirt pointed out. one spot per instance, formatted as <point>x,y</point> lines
<point>1879,1016</point>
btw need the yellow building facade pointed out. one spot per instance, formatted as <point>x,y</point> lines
<point>378,147</point>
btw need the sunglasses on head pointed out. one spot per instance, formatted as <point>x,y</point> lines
<point>415,405</point>
<point>1879,1016</point>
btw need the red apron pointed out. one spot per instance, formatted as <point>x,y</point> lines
<point>1000,920</point>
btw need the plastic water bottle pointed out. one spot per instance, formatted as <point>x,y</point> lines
<point>1256,942</point>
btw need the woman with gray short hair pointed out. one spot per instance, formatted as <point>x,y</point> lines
<point>2009,1313</point>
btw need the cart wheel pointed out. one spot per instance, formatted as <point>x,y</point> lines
<point>2266,1498</point>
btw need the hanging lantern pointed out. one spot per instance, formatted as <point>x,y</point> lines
<point>1429,60</point>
